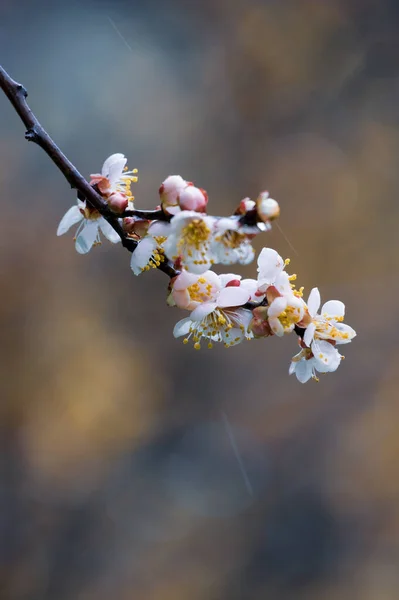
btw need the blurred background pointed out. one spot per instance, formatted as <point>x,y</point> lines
<point>131,465</point>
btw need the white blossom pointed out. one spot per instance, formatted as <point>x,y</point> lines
<point>216,308</point>
<point>328,324</point>
<point>90,223</point>
<point>189,240</point>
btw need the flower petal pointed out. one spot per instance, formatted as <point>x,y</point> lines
<point>270,264</point>
<point>202,311</point>
<point>71,217</point>
<point>108,231</point>
<point>87,237</point>
<point>233,296</point>
<point>277,307</point>
<point>314,302</point>
<point>333,308</point>
<point>303,370</point>
<point>182,327</point>
<point>309,334</point>
<point>142,254</point>
<point>346,333</point>
<point>326,357</point>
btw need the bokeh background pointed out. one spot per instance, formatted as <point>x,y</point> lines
<point>131,465</point>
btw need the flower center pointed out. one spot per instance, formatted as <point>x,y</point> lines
<point>201,291</point>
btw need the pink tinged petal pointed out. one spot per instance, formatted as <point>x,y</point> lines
<point>233,296</point>
<point>303,370</point>
<point>202,311</point>
<point>182,327</point>
<point>71,217</point>
<point>142,254</point>
<point>270,264</point>
<point>277,307</point>
<point>346,332</point>
<point>87,237</point>
<point>108,231</point>
<point>182,299</point>
<point>184,280</point>
<point>333,308</point>
<point>309,334</point>
<point>314,302</point>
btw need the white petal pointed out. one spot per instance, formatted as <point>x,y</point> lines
<point>233,336</point>
<point>226,223</point>
<point>87,237</point>
<point>347,333</point>
<point>142,254</point>
<point>233,296</point>
<point>270,264</point>
<point>182,327</point>
<point>276,326</point>
<point>314,302</point>
<point>304,370</point>
<point>326,357</point>
<point>333,308</point>
<point>202,311</point>
<point>71,217</point>
<point>277,307</point>
<point>113,165</point>
<point>309,334</point>
<point>108,231</point>
<point>159,228</point>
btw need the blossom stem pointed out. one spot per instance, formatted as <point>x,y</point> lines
<point>17,94</point>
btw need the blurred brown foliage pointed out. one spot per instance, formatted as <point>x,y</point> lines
<point>120,476</point>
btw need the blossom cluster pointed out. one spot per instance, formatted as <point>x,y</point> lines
<point>221,307</point>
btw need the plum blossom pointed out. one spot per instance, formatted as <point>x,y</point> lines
<point>90,223</point>
<point>189,240</point>
<point>149,252</point>
<point>216,305</point>
<point>114,178</point>
<point>229,245</point>
<point>328,324</point>
<point>322,357</point>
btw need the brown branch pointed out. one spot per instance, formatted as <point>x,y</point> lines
<point>17,94</point>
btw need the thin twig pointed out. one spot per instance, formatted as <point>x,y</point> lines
<point>17,94</point>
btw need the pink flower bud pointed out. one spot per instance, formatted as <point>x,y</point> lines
<point>268,209</point>
<point>193,198</point>
<point>260,325</point>
<point>169,193</point>
<point>118,202</point>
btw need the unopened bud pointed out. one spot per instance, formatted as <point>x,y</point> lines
<point>169,192</point>
<point>260,325</point>
<point>267,208</point>
<point>193,198</point>
<point>118,202</point>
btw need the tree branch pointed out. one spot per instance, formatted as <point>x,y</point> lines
<point>17,95</point>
